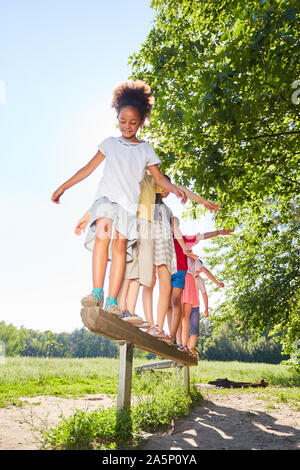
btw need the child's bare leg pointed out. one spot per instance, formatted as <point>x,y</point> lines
<point>205,300</point>
<point>119,246</point>
<point>132,295</point>
<point>122,296</point>
<point>192,341</point>
<point>164,277</point>
<point>170,314</point>
<point>100,251</point>
<point>179,333</point>
<point>211,276</point>
<point>147,304</point>
<point>177,312</point>
<point>186,313</point>
<point>147,299</point>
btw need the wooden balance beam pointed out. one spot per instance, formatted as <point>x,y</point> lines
<point>159,365</point>
<point>106,324</point>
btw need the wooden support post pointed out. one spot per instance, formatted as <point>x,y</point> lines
<point>187,377</point>
<point>125,376</point>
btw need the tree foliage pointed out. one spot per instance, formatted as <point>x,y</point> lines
<point>262,272</point>
<point>226,124</point>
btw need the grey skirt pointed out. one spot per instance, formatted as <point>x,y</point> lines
<point>163,243</point>
<point>123,222</point>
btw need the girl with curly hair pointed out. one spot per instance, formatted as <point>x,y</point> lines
<point>113,215</point>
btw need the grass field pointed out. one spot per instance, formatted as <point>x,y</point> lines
<point>29,377</point>
<point>162,395</point>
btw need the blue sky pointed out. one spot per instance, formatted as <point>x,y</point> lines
<point>59,62</point>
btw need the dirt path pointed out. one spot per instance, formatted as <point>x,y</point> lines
<point>20,425</point>
<point>233,422</point>
<point>237,421</point>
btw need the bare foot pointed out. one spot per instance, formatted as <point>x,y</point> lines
<point>221,284</point>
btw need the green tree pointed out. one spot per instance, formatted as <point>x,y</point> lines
<point>62,346</point>
<point>83,343</point>
<point>35,344</point>
<point>228,344</point>
<point>14,342</point>
<point>226,123</point>
<point>261,266</point>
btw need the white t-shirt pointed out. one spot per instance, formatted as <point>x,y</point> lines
<point>200,284</point>
<point>193,265</point>
<point>125,165</point>
<point>190,241</point>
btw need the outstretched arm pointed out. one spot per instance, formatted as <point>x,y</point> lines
<point>211,206</point>
<point>79,176</point>
<point>192,240</point>
<point>207,235</point>
<point>210,276</point>
<point>164,183</point>
<point>178,236</point>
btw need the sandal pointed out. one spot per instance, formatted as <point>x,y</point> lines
<point>194,352</point>
<point>183,348</point>
<point>167,338</point>
<point>112,306</point>
<point>152,328</point>
<point>95,299</point>
<point>155,331</point>
<point>190,352</point>
<point>131,318</point>
<point>160,334</point>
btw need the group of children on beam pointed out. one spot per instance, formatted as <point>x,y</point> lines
<point>130,225</point>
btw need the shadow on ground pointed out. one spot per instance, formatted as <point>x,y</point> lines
<point>212,426</point>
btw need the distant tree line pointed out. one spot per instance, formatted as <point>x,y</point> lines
<point>222,344</point>
<point>226,343</point>
<point>78,343</point>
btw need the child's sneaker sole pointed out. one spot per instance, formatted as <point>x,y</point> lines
<point>131,318</point>
<point>145,325</point>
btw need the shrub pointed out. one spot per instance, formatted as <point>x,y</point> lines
<point>109,429</point>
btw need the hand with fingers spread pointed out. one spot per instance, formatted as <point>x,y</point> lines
<point>82,223</point>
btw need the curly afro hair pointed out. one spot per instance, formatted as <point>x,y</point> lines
<point>135,93</point>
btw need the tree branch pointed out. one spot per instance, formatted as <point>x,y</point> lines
<point>290,105</point>
<point>275,134</point>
